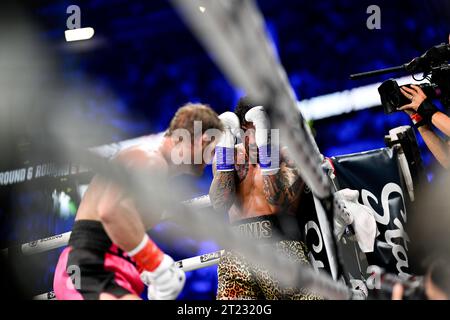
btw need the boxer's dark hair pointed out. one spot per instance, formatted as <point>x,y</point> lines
<point>244,104</point>
<point>186,115</point>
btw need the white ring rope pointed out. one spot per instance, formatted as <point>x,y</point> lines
<point>61,240</point>
<point>189,264</point>
<point>42,245</point>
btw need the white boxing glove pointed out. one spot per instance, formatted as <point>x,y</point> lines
<point>269,154</point>
<point>260,120</point>
<point>225,146</point>
<point>165,282</point>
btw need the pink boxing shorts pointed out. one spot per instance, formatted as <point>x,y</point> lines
<point>92,264</point>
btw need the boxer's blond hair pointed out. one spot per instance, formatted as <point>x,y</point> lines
<point>186,115</point>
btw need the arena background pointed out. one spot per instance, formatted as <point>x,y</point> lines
<point>145,55</point>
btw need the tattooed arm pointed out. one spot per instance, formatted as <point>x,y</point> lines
<point>223,189</point>
<point>284,187</point>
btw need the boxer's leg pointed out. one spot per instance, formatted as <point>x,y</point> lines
<point>269,285</point>
<point>235,279</point>
<point>91,265</point>
<point>107,296</point>
<point>298,252</point>
<point>62,284</point>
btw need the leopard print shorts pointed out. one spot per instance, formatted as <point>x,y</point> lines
<point>238,279</point>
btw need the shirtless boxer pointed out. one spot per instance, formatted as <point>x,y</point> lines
<point>255,189</point>
<point>109,253</point>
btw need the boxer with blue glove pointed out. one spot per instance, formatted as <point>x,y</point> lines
<point>256,184</point>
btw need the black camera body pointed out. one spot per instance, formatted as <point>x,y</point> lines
<point>434,66</point>
<point>392,98</point>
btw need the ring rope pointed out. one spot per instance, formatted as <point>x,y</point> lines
<point>61,240</point>
<point>189,264</point>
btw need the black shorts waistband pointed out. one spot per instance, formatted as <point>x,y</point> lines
<point>267,227</point>
<point>89,234</point>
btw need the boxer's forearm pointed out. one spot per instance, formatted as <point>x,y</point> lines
<point>273,184</point>
<point>284,187</point>
<point>438,148</point>
<point>223,190</point>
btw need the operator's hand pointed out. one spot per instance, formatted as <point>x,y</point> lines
<point>416,95</point>
<point>409,112</point>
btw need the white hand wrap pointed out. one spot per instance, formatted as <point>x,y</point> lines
<point>166,282</point>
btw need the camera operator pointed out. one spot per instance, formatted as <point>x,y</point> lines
<point>423,113</point>
<point>436,282</point>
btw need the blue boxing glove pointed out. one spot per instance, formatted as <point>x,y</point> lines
<point>269,153</point>
<point>225,146</point>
